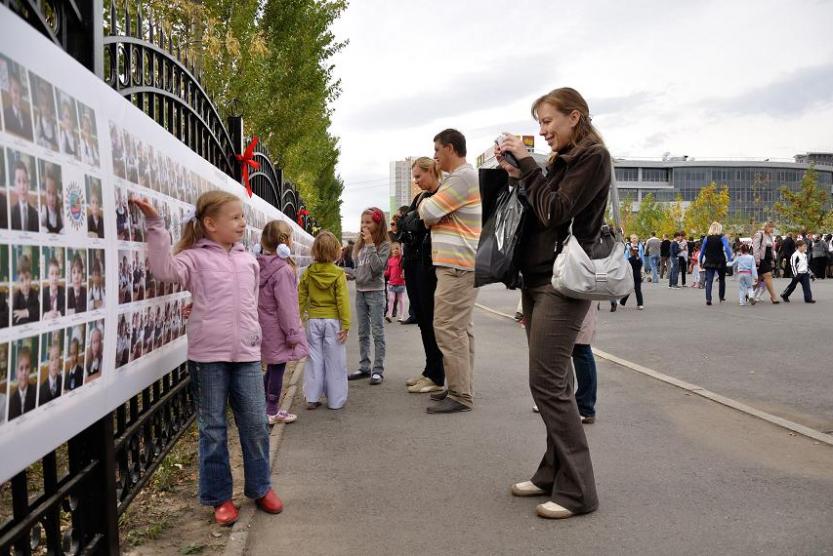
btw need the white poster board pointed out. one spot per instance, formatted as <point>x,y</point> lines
<point>83,324</point>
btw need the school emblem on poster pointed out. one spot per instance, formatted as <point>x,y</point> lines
<point>74,204</point>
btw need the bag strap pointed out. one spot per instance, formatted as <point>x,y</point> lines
<point>613,196</point>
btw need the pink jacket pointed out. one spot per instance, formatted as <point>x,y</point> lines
<point>224,286</point>
<point>394,271</point>
<point>283,336</point>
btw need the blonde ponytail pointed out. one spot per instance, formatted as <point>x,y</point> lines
<point>276,232</point>
<point>208,205</point>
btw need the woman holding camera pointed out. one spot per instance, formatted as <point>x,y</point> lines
<point>575,189</point>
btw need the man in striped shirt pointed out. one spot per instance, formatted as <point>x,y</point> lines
<point>453,213</point>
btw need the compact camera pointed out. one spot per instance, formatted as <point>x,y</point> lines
<point>507,156</point>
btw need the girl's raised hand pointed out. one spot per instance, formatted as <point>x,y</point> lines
<point>145,206</point>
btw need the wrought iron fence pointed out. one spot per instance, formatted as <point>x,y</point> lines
<point>80,489</point>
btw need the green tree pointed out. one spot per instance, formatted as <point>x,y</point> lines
<point>626,213</point>
<point>804,209</point>
<point>671,218</point>
<point>649,217</point>
<point>710,205</point>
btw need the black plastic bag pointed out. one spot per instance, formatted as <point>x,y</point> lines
<point>497,251</point>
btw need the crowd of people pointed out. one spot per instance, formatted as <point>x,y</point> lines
<point>714,256</point>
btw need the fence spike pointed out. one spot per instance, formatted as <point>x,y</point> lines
<point>140,33</point>
<point>150,26</point>
<point>114,21</point>
<point>127,19</point>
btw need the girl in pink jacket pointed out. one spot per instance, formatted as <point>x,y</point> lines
<point>283,336</point>
<point>223,343</point>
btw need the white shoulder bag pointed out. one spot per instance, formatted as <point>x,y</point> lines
<point>576,275</point>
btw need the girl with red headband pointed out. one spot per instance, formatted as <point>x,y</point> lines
<point>371,256</point>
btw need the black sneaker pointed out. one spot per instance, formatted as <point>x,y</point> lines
<point>811,301</point>
<point>439,396</point>
<point>785,298</point>
<point>448,406</point>
<point>358,375</point>
<point>409,320</point>
<point>376,378</point>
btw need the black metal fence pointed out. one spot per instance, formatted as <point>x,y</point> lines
<point>71,500</point>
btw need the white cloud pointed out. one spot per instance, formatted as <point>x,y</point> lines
<point>707,79</point>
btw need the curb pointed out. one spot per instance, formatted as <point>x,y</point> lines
<point>797,428</point>
<point>239,537</point>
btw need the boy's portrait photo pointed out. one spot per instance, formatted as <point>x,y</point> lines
<point>53,283</point>
<point>74,358</point>
<point>95,214</point>
<point>22,393</point>
<point>125,276</point>
<point>23,201</point>
<point>46,121</point>
<point>14,88</point>
<point>123,341</point>
<point>122,215</point>
<point>95,298</point>
<point>95,350</point>
<point>117,151</point>
<point>88,137</point>
<point>77,280</point>
<point>26,270</point>
<point>52,197</point>
<point>68,125</point>
<point>51,367</point>
<point>5,287</point>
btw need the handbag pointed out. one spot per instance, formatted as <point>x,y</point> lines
<point>606,274</point>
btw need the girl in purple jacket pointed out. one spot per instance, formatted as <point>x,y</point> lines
<point>223,343</point>
<point>283,336</point>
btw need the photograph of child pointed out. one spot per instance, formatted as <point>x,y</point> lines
<point>123,342</point>
<point>46,124</point>
<point>137,221</point>
<point>77,280</point>
<point>4,192</point>
<point>138,275</point>
<point>144,165</point>
<point>137,336</point>
<point>122,215</point>
<point>151,284</point>
<point>52,197</point>
<point>95,216</point>
<point>125,277</point>
<point>68,125</point>
<point>51,345</point>
<point>74,366</point>
<point>95,350</point>
<point>23,392</point>
<point>130,158</point>
<point>5,379</point>
<point>117,151</point>
<point>95,299</point>
<point>88,146</point>
<point>23,201</point>
<point>53,283</point>
<point>4,287</point>
<point>25,301</point>
<point>147,333</point>
<point>17,113</point>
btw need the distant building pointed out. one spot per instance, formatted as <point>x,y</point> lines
<point>753,185</point>
<point>402,187</point>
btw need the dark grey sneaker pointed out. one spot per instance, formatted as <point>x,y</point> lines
<point>358,375</point>
<point>448,406</point>
<point>439,396</point>
<point>376,378</point>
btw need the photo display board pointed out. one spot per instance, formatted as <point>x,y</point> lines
<point>84,325</point>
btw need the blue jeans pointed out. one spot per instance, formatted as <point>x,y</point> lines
<point>370,311</point>
<point>675,271</point>
<point>654,259</point>
<point>240,384</point>
<point>585,365</point>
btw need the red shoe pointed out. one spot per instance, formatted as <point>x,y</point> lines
<point>226,513</point>
<point>270,503</point>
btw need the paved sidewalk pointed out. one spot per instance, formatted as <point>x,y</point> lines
<point>676,474</point>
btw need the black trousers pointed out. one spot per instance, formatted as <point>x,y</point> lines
<point>420,283</point>
<point>804,280</point>
<point>636,265</point>
<point>552,326</point>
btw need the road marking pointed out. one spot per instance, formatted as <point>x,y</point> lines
<point>700,391</point>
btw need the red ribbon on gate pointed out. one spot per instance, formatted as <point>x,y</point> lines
<point>247,160</point>
<point>301,214</point>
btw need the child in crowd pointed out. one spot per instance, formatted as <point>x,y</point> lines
<point>801,273</point>
<point>223,343</point>
<point>695,266</point>
<point>325,304</point>
<point>277,309</point>
<point>747,273</point>
<point>395,275</point>
<point>370,256</point>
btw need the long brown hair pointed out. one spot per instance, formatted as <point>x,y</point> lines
<point>276,232</point>
<point>565,100</point>
<point>208,205</point>
<point>380,235</point>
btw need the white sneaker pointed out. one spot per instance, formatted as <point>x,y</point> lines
<point>551,510</point>
<point>413,380</point>
<point>424,386</point>
<point>526,488</point>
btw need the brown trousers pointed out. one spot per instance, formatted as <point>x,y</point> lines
<point>453,305</point>
<point>552,324</point>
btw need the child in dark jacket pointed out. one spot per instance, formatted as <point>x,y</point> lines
<point>283,336</point>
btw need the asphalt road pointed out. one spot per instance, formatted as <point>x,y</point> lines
<point>676,474</point>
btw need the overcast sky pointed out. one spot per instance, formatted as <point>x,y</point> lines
<point>705,79</point>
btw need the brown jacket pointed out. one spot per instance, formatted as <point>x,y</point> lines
<point>576,186</point>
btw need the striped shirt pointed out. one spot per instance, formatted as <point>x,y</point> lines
<point>454,213</point>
